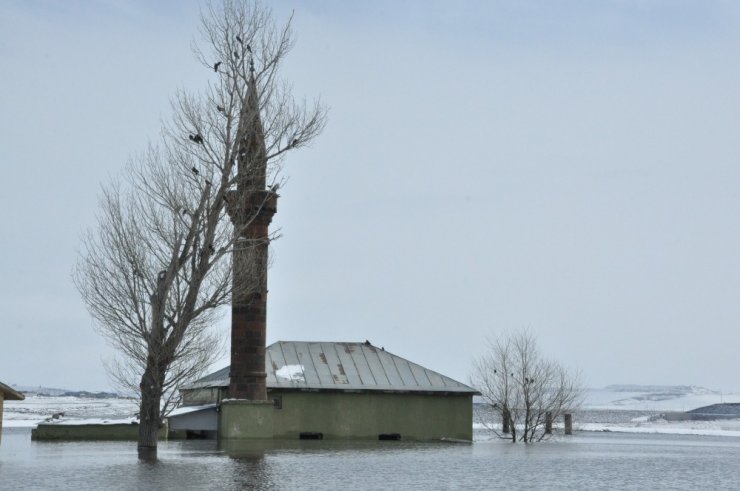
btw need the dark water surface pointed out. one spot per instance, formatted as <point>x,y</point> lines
<point>584,461</point>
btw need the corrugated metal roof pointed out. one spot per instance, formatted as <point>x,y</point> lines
<point>340,366</point>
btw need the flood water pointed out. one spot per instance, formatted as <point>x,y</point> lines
<point>583,461</point>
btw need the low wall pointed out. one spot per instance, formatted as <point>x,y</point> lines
<point>52,432</point>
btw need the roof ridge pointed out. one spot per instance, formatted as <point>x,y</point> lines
<point>352,367</point>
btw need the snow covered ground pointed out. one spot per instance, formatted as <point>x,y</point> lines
<point>628,408</point>
<point>638,409</point>
<point>658,400</point>
<point>727,427</point>
<point>70,410</point>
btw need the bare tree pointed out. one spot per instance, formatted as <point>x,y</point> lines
<point>524,388</point>
<point>157,267</point>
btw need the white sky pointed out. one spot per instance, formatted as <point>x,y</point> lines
<point>569,167</point>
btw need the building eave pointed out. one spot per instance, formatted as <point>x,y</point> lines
<point>10,394</point>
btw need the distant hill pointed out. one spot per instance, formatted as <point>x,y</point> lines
<point>722,409</point>
<point>52,392</point>
<point>662,391</point>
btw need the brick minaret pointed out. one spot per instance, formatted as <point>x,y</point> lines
<point>250,208</point>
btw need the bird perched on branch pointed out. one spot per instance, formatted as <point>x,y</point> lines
<point>220,109</point>
<point>196,138</point>
<point>249,49</point>
<point>236,54</point>
<point>195,171</point>
<point>216,65</point>
<point>239,39</point>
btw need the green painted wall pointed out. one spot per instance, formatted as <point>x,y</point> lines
<point>359,415</point>
<point>366,415</point>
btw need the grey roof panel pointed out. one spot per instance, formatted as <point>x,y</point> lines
<point>320,363</point>
<point>420,375</point>
<point>373,362</point>
<point>391,372</point>
<point>348,364</point>
<point>404,371</point>
<point>341,366</point>
<point>361,364</point>
<point>336,368</point>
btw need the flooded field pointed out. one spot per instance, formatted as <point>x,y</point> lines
<point>588,460</point>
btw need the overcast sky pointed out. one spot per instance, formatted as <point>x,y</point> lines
<point>568,167</point>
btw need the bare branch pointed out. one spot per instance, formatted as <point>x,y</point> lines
<point>522,387</point>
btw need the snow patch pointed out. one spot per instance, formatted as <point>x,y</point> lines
<point>294,373</point>
<point>190,409</point>
<point>706,428</point>
<point>92,421</point>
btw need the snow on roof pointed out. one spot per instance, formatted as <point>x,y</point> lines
<point>190,409</point>
<point>340,366</point>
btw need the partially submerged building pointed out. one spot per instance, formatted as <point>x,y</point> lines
<point>7,393</point>
<point>334,390</point>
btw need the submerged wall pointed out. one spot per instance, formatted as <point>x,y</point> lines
<point>127,431</point>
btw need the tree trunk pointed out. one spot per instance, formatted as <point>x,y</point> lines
<point>149,414</point>
<point>512,428</point>
<point>152,381</point>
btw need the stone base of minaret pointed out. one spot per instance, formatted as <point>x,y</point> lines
<point>245,420</point>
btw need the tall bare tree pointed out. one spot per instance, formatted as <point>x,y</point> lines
<point>159,263</point>
<point>524,388</point>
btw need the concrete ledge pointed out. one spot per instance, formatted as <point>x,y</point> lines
<point>123,431</point>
